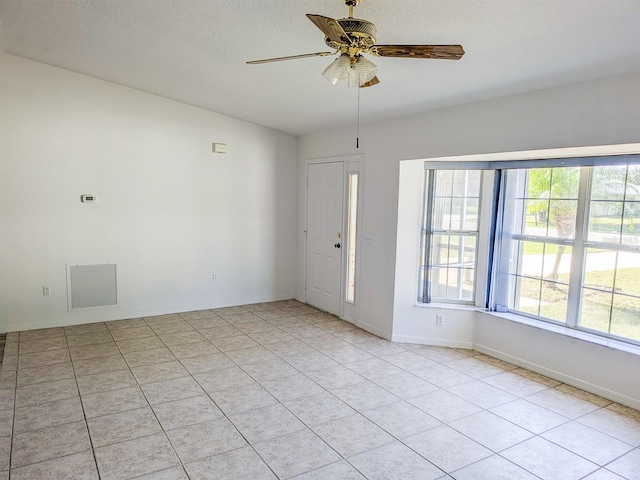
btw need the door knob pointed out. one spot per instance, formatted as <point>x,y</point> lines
<point>337,245</point>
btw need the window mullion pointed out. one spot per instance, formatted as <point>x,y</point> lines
<point>577,256</point>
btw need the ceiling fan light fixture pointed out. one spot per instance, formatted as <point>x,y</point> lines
<point>361,71</point>
<point>338,69</point>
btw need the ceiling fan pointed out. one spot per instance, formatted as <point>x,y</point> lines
<point>353,37</point>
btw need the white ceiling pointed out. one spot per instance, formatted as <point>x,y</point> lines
<point>194,51</point>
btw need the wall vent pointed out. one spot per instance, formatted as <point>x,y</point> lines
<point>91,286</point>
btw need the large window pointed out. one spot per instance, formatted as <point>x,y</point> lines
<point>450,236</point>
<point>570,247</point>
<point>564,242</point>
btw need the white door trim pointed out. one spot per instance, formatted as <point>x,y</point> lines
<point>351,163</point>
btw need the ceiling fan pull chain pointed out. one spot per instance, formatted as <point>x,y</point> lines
<point>358,123</point>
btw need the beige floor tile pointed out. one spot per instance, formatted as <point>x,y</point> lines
<point>259,326</point>
<point>335,377</point>
<point>266,423</point>
<point>494,468</point>
<point>94,351</point>
<point>442,376</point>
<point>182,338</point>
<point>549,461</point>
<point>187,411</point>
<point>242,399</point>
<point>158,372</point>
<point>10,362</point>
<point>240,463</point>
<point>529,416</point>
<point>562,403</point>
<point>6,423</point>
<point>614,424</point>
<point>202,440</point>
<point>45,392</point>
<point>587,442</point>
<point>41,359</point>
<point>220,331</point>
<point>296,453</point>
<point>475,368</point>
<point>132,333</point>
<point>237,318</point>
<point>5,453</point>
<point>42,344</point>
<point>41,333</point>
<point>174,326</point>
<point>173,473</point>
<point>125,324</point>
<point>352,435</point>
<point>604,474</point>
<point>227,344</point>
<point>170,390</point>
<point>85,329</point>
<point>481,394</point>
<point>229,310</point>
<point>8,378</point>
<point>444,406</point>
<point>394,461</point>
<point>364,396</point>
<point>446,448</point>
<point>247,356</point>
<point>628,465</point>
<point>135,457</point>
<point>139,344</point>
<point>93,366</point>
<point>207,363</point>
<point>123,426</point>
<point>409,361</point>
<point>48,414</point>
<point>319,408</point>
<point>193,350</point>
<point>405,385</point>
<point>374,368</point>
<point>491,431</point>
<point>292,386</point>
<point>515,384</point>
<point>49,443</point>
<point>440,354</point>
<point>59,371</point>
<point>7,398</point>
<point>341,469</point>
<point>217,380</point>
<point>269,370</point>
<point>89,339</point>
<point>103,382</point>
<point>401,419</point>
<point>149,357</point>
<point>113,401</point>
<point>381,347</point>
<point>198,315</point>
<point>209,322</point>
<point>78,466</point>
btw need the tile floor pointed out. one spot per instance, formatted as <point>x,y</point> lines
<point>280,390</point>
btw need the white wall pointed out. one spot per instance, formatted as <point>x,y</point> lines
<point>170,213</point>
<point>602,112</point>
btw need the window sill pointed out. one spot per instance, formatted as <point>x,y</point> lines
<point>568,332</point>
<point>448,306</point>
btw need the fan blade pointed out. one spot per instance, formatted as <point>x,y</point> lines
<point>331,28</point>
<point>445,52</point>
<point>370,83</point>
<point>291,57</point>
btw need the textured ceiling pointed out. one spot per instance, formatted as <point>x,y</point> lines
<point>194,51</point>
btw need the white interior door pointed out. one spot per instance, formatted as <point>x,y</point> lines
<point>324,236</point>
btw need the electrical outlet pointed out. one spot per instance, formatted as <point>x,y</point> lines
<point>216,277</point>
<point>439,319</point>
<point>46,290</point>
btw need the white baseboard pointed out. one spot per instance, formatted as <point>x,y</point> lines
<point>117,313</point>
<point>561,377</point>
<point>372,329</point>
<point>438,342</point>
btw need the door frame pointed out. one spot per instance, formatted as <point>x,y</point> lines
<point>351,164</point>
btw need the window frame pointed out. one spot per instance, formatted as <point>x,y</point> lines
<point>428,231</point>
